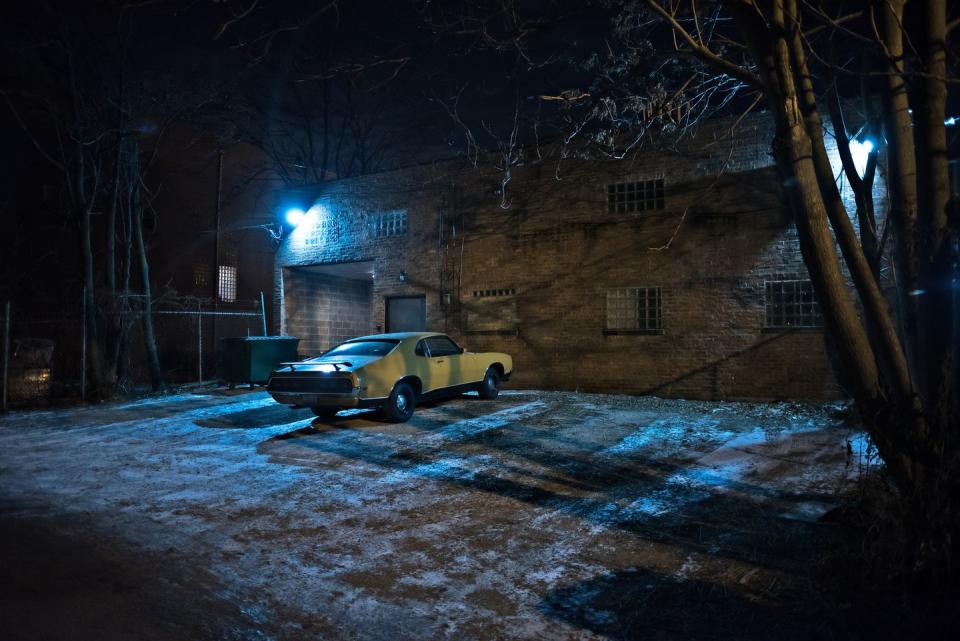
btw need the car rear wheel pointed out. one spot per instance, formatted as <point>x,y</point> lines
<point>490,386</point>
<point>325,412</point>
<point>399,407</point>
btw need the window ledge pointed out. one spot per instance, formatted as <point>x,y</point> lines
<point>632,332</point>
<point>791,329</point>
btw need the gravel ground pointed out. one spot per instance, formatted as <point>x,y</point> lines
<point>541,515</point>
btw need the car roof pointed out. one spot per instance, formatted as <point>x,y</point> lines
<point>396,336</point>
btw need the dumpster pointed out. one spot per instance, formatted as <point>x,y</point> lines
<point>250,359</point>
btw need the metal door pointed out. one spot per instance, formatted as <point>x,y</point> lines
<point>406,313</point>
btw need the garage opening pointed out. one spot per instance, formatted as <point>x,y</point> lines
<point>326,304</point>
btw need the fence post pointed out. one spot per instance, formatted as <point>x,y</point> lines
<point>83,347</point>
<point>263,314</point>
<point>6,352</point>
<point>199,342</point>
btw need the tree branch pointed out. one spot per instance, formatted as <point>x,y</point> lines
<point>704,53</point>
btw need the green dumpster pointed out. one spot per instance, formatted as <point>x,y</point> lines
<point>250,359</point>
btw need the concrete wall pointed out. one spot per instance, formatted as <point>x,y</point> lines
<point>547,250</point>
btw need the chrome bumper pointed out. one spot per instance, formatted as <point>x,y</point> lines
<point>317,400</point>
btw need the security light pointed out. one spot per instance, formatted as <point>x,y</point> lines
<point>860,150</point>
<point>295,216</point>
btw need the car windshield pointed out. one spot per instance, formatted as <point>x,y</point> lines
<point>362,348</point>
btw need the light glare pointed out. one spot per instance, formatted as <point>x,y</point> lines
<point>295,216</point>
<point>860,151</point>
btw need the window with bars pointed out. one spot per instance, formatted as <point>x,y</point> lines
<point>636,309</point>
<point>389,223</point>
<point>227,283</point>
<point>640,195</point>
<point>791,303</point>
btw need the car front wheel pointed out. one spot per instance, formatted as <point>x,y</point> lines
<point>490,386</point>
<point>399,407</point>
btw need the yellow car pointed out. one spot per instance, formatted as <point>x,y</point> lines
<point>389,371</point>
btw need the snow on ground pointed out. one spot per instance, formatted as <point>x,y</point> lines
<point>541,515</point>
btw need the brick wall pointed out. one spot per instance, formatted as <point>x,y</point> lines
<point>325,310</point>
<point>551,240</point>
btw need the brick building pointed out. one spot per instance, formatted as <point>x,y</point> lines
<point>675,272</point>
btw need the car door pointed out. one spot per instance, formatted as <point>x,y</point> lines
<point>424,366</point>
<point>444,362</point>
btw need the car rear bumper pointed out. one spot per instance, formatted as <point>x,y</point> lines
<point>308,399</point>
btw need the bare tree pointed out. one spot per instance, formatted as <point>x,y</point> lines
<point>885,70</point>
<point>82,101</point>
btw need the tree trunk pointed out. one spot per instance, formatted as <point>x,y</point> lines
<point>933,193</point>
<point>881,328</point>
<point>153,358</point>
<point>862,187</point>
<point>901,186</point>
<point>90,306</point>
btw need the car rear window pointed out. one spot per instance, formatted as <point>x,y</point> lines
<point>362,348</point>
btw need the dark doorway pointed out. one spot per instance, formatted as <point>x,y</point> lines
<point>406,313</point>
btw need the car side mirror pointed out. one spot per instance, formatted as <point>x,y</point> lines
<point>463,350</point>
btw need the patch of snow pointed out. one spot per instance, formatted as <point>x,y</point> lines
<point>471,427</point>
<point>447,468</point>
<point>688,569</point>
<point>863,449</point>
<point>669,430</point>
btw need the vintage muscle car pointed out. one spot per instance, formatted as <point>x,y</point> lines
<point>389,371</point>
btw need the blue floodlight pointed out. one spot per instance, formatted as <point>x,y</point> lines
<point>295,216</point>
<point>860,150</point>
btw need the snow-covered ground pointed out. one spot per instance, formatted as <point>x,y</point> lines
<point>542,515</point>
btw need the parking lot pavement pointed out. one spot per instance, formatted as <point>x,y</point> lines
<point>541,515</point>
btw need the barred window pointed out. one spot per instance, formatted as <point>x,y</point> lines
<point>227,283</point>
<point>389,223</point>
<point>641,195</point>
<point>791,303</point>
<point>634,308</point>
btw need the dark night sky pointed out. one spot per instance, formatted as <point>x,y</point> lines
<point>233,85</point>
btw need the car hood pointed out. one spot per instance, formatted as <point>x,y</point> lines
<point>329,364</point>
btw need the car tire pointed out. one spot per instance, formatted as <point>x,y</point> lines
<point>490,385</point>
<point>325,412</point>
<point>400,405</point>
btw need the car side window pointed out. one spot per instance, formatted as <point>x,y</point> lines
<point>441,346</point>
<point>421,349</point>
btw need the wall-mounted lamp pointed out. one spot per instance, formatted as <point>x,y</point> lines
<point>295,216</point>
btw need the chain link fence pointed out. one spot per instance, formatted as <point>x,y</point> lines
<point>47,351</point>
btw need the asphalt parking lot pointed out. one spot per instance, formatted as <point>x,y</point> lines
<point>541,515</point>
